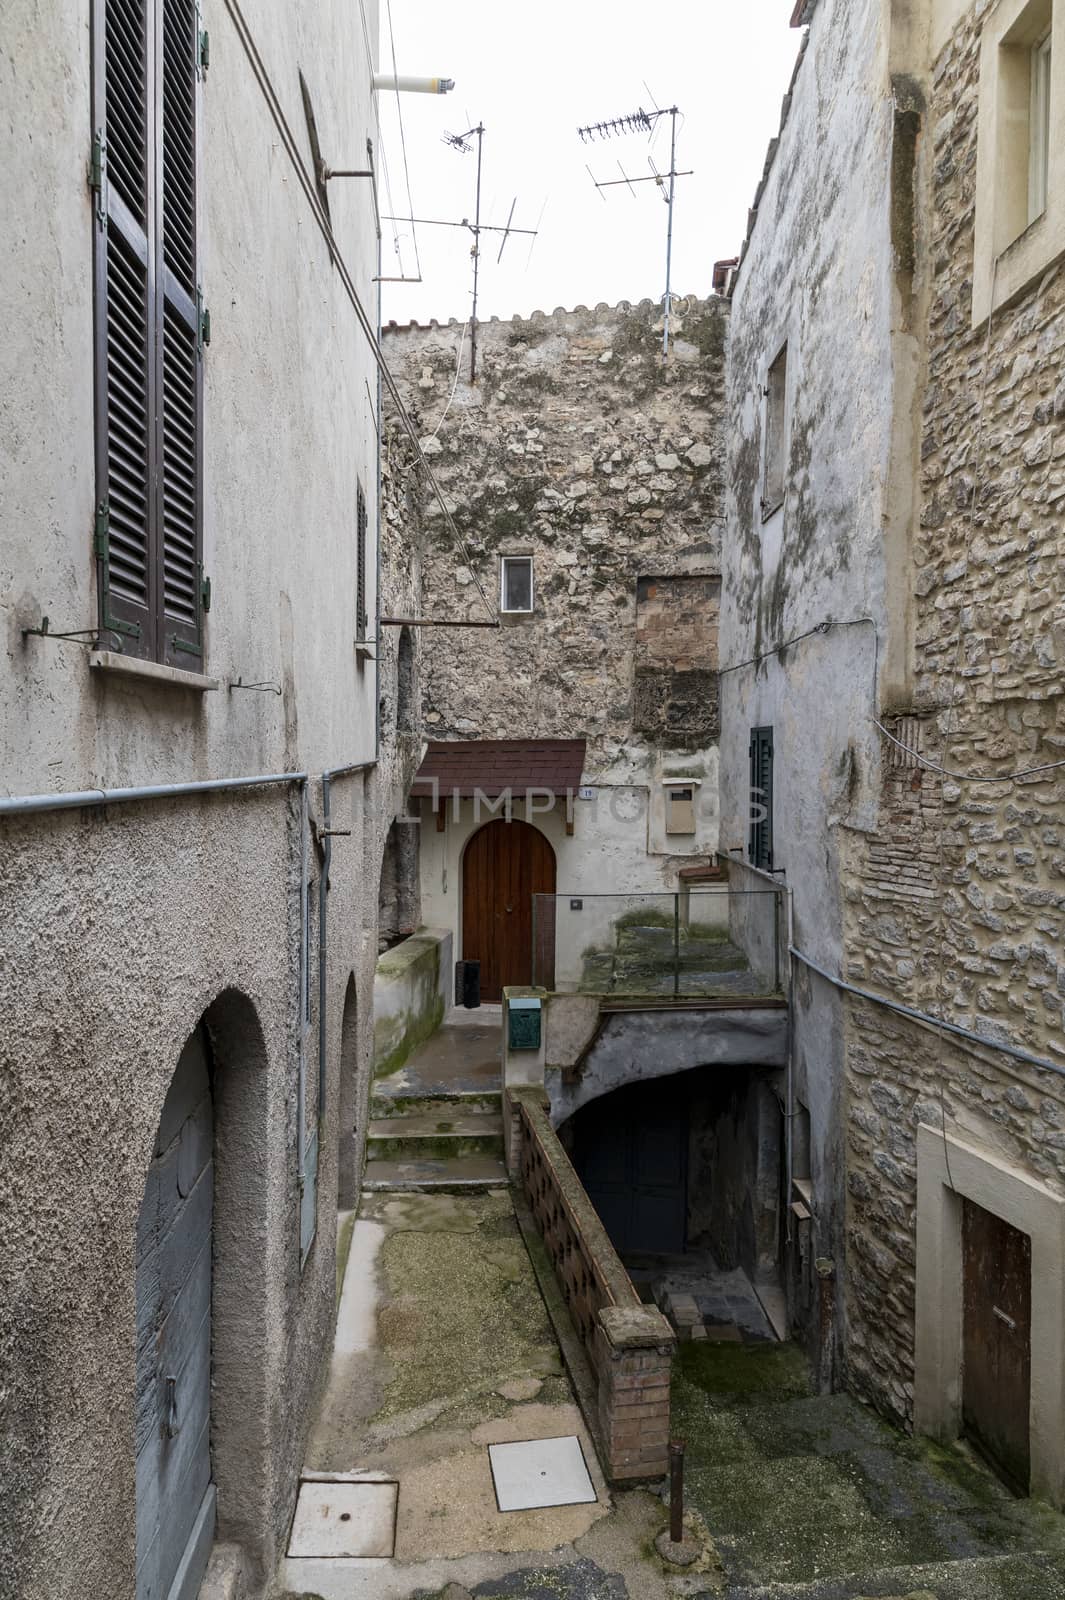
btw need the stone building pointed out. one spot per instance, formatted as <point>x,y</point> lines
<point>584,478</point>
<point>194,812</point>
<point>892,649</point>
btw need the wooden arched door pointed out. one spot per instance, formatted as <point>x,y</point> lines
<point>505,864</point>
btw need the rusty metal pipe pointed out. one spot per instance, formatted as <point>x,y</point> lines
<point>676,1490</point>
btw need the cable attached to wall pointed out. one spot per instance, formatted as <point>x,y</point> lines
<point>262,76</point>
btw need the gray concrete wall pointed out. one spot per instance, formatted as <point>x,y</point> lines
<point>820,272</point>
<point>122,926</point>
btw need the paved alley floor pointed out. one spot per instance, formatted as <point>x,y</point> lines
<point>443,1347</point>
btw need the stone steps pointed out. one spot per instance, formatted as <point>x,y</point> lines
<point>445,1103</point>
<point>443,1134</point>
<point>458,1175</point>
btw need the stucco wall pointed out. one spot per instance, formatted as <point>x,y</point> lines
<point>121,925</point>
<point>818,272</point>
<point>412,990</point>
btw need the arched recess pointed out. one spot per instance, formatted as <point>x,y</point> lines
<point>405,718</point>
<point>398,895</point>
<point>503,866</point>
<point>203,1305</point>
<point>348,1154</point>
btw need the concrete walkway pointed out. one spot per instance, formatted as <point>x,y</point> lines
<point>443,1347</point>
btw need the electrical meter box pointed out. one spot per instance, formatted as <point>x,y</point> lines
<point>523,1023</point>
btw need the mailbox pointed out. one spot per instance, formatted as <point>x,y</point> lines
<point>523,1024</point>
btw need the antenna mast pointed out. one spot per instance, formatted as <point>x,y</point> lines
<point>641,121</point>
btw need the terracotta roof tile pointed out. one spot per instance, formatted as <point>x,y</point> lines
<point>492,765</point>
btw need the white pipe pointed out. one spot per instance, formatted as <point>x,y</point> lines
<point>23,804</point>
<point>406,85</point>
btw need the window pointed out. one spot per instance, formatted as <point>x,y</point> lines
<point>680,808</point>
<point>775,451</point>
<point>516,583</point>
<point>760,843</point>
<point>150,328</point>
<point>362,620</point>
<point>1038,128</point>
<point>1020,203</point>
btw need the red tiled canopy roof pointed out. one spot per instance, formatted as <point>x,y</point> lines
<point>492,765</point>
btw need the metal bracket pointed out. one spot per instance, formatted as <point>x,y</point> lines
<point>265,687</point>
<point>171,1426</point>
<point>96,175</point>
<point>89,636</point>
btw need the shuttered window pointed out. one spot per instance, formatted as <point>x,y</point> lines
<point>150,329</point>
<point>760,845</point>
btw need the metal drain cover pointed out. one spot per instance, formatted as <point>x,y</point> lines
<point>540,1472</point>
<point>344,1519</point>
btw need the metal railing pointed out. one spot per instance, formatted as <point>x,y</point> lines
<point>694,943</point>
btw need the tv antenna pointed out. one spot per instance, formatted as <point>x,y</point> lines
<point>641,121</point>
<point>464,144</point>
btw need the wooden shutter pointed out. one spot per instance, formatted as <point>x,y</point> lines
<point>148,325</point>
<point>760,846</point>
<point>179,551</point>
<point>361,618</point>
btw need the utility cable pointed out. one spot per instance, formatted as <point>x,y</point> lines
<point>822,628</point>
<point>403,139</point>
<point>292,150</point>
<point>454,386</point>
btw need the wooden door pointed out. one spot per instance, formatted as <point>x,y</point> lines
<point>175,1497</point>
<point>997,1349</point>
<point>631,1155</point>
<point>505,864</point>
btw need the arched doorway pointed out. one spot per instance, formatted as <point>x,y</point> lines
<point>505,864</point>
<point>175,1495</point>
<point>348,1154</point>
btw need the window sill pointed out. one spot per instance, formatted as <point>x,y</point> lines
<point>150,671</point>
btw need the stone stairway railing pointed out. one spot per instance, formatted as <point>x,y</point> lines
<point>628,1346</point>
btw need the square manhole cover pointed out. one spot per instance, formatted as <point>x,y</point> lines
<point>540,1472</point>
<point>344,1519</point>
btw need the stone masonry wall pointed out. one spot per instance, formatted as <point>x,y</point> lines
<point>580,446</point>
<point>956,905</point>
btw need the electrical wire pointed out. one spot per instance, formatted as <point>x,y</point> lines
<point>454,386</point>
<point>402,140</point>
<point>292,150</point>
<point>823,628</point>
<point>380,146</point>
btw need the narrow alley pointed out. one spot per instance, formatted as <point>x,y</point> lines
<point>532,821</point>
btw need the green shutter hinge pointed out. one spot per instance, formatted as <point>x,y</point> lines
<point>96,175</point>
<point>205,51</point>
<point>101,539</point>
<point>205,593</point>
<point>204,320</point>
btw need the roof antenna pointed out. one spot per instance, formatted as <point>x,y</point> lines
<point>641,121</point>
<point>464,144</point>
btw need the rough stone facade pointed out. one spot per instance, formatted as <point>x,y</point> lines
<point>956,902</point>
<point>577,445</point>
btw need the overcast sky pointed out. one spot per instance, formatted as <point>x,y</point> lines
<point>533,74</point>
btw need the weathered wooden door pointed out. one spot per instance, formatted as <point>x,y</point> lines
<point>505,864</point>
<point>631,1154</point>
<point>997,1359</point>
<point>175,1497</point>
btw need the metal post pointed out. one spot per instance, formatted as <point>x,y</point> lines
<point>534,944</point>
<point>669,231</point>
<point>476,259</point>
<point>776,938</point>
<point>676,1491</point>
<point>676,951</point>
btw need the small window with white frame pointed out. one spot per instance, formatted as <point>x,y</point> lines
<point>516,584</point>
<point>774,455</point>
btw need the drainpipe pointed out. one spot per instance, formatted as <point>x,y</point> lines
<point>326,833</point>
<point>21,805</point>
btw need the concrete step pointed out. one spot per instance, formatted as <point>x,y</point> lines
<point>386,1102</point>
<point>444,1177</point>
<point>443,1135</point>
